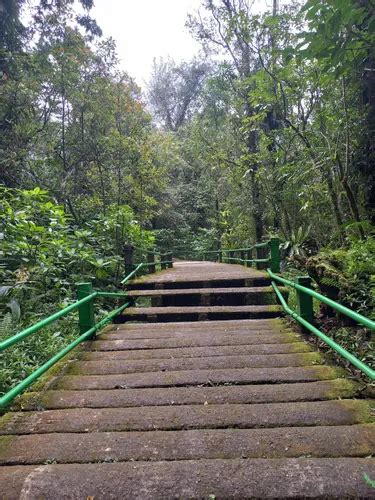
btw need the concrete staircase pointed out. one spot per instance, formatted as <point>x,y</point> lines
<point>167,408</point>
<point>207,297</point>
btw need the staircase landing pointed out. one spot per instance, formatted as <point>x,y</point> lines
<point>185,274</point>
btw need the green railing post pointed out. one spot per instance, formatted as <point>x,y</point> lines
<point>85,311</point>
<point>260,254</point>
<point>305,307</point>
<point>128,252</point>
<point>248,256</point>
<point>169,259</point>
<point>220,256</point>
<point>275,255</point>
<point>163,258</point>
<point>151,262</point>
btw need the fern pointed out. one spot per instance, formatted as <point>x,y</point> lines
<point>331,281</point>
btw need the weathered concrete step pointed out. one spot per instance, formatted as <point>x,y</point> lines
<point>199,282</point>
<point>198,352</point>
<point>252,478</point>
<point>343,412</point>
<point>234,325</point>
<point>199,377</point>
<point>210,296</point>
<point>199,291</point>
<point>214,334</point>
<point>119,334</point>
<point>187,329</point>
<point>250,394</point>
<point>208,340</point>
<point>200,313</point>
<point>289,442</point>
<point>109,367</point>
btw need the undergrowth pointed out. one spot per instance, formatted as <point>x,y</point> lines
<point>346,275</point>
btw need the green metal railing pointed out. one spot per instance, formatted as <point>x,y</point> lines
<point>87,326</point>
<point>244,256</point>
<point>305,315</point>
<point>154,261</point>
<point>305,295</point>
<point>85,306</point>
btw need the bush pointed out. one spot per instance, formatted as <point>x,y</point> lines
<point>43,254</point>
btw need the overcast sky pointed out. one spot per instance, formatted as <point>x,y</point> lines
<point>144,29</point>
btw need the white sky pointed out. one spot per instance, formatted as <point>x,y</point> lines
<point>144,29</point>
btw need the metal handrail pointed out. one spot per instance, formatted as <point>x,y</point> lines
<point>85,321</point>
<point>145,264</point>
<point>24,384</point>
<point>133,273</point>
<point>368,323</point>
<point>79,304</point>
<point>227,250</point>
<point>273,259</point>
<point>363,367</point>
<point>45,322</point>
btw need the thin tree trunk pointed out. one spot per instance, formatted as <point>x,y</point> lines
<point>343,171</point>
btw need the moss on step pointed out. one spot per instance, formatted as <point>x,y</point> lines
<point>298,348</point>
<point>5,419</point>
<point>311,358</point>
<point>5,445</point>
<point>31,400</point>
<point>146,277</point>
<point>325,372</point>
<point>343,388</point>
<point>362,410</point>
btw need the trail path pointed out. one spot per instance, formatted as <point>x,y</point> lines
<point>203,393</point>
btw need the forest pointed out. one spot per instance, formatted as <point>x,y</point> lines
<point>269,131</point>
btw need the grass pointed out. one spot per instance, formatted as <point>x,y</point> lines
<point>20,360</point>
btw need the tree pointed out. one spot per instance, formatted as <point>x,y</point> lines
<point>341,37</point>
<point>227,28</point>
<point>174,89</point>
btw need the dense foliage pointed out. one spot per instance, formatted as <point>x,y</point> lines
<point>269,131</point>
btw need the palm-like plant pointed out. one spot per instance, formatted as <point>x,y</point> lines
<point>296,246</point>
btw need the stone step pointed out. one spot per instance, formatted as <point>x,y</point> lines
<point>191,326</point>
<point>241,296</point>
<point>228,394</point>
<point>197,352</point>
<point>120,334</point>
<point>109,367</point>
<point>118,341</point>
<point>287,442</point>
<point>237,408</point>
<point>150,418</point>
<point>126,331</point>
<point>233,478</point>
<point>201,313</point>
<point>200,377</point>
<point>150,283</point>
